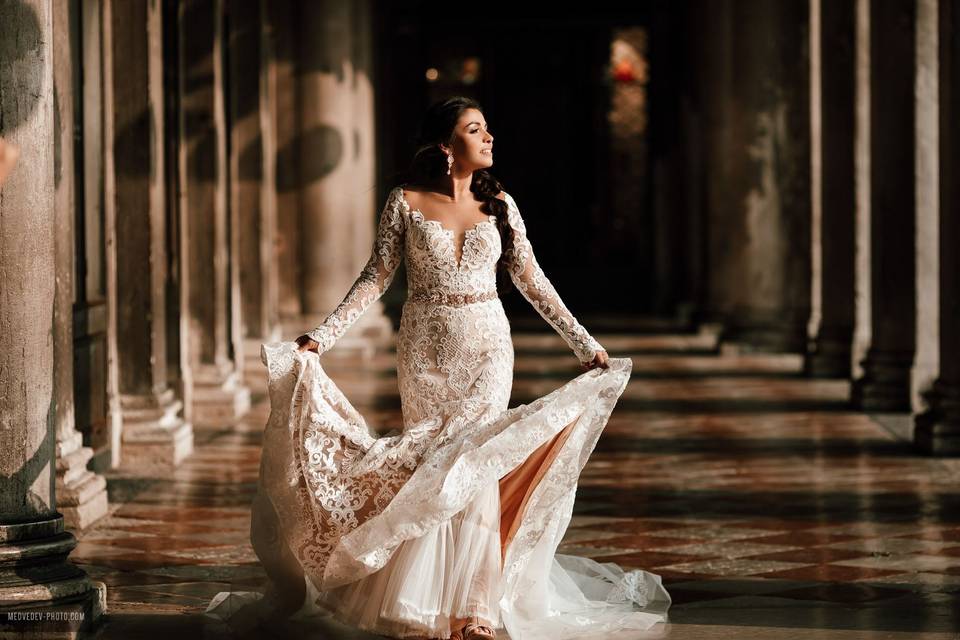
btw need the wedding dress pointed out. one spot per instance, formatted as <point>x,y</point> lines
<point>461,513</point>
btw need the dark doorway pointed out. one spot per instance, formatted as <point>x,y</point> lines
<point>567,97</point>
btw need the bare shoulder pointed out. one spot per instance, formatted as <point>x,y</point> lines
<point>502,195</point>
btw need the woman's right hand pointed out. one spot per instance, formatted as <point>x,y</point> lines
<point>306,343</point>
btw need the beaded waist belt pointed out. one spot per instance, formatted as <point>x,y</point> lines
<point>450,299</point>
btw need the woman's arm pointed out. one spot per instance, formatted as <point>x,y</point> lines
<point>533,284</point>
<point>374,279</point>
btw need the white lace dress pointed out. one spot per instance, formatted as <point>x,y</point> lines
<point>462,512</point>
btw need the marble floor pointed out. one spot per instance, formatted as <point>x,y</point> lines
<point>769,507</point>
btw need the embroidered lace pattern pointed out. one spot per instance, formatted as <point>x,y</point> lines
<point>433,268</point>
<point>342,500</point>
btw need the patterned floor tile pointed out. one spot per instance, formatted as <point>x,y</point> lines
<point>937,581</point>
<point>733,566</point>
<point>754,492</point>
<point>729,549</point>
<point>893,545</point>
<point>935,533</point>
<point>832,573</point>
<point>653,560</point>
<point>713,534</point>
<point>805,538</point>
<point>872,529</point>
<point>909,562</point>
<point>840,592</point>
<point>811,555</point>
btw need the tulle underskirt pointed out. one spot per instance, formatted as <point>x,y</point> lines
<point>452,572</point>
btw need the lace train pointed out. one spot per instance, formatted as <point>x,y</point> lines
<point>409,567</point>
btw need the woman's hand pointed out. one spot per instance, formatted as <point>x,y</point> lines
<point>599,360</point>
<point>306,343</point>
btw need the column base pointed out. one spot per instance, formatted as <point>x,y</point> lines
<point>885,385</point>
<point>830,355</point>
<point>218,400</point>
<point>81,493</point>
<point>42,594</point>
<point>765,333</point>
<point>155,439</point>
<point>937,430</point>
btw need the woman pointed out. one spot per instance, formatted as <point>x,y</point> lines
<point>448,530</point>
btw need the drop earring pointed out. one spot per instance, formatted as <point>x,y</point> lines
<point>449,162</point>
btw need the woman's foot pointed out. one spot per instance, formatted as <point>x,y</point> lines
<point>476,630</point>
<point>456,634</point>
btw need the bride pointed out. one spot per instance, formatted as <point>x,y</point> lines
<point>450,528</point>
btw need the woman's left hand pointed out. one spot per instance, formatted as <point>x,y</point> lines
<point>599,360</point>
<point>306,343</point>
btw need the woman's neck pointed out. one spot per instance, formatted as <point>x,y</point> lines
<point>455,188</point>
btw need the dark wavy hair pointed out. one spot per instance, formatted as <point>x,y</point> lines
<point>430,163</point>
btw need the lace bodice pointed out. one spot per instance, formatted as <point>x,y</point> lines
<point>436,270</point>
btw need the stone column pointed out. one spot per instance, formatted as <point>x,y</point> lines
<point>155,437</point>
<point>885,384</point>
<point>284,35</point>
<point>695,135</point>
<point>34,572</point>
<point>337,170</point>
<point>81,493</point>
<point>252,162</point>
<point>219,395</point>
<point>760,229</point>
<point>374,327</point>
<point>862,292</point>
<point>714,70</point>
<point>926,168</point>
<point>938,428</point>
<point>674,217</point>
<point>829,355</point>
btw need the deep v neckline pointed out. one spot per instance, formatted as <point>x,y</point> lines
<point>451,233</point>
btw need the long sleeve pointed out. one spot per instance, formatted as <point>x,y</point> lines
<point>374,279</point>
<point>533,284</point>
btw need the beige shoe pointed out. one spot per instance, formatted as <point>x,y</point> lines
<point>476,631</point>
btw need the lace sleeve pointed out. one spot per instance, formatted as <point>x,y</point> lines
<point>532,282</point>
<point>374,279</point>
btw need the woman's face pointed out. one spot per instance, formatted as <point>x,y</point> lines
<point>472,143</point>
